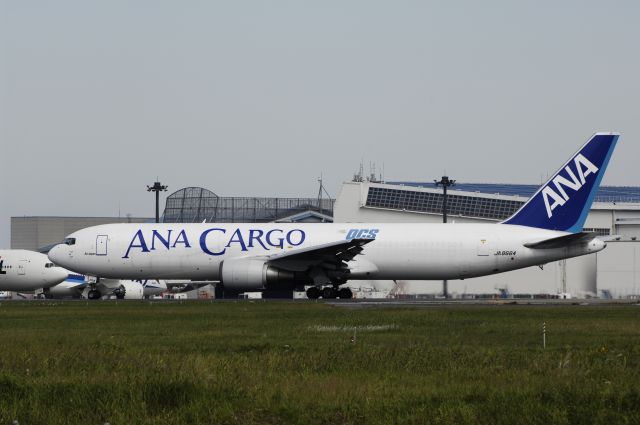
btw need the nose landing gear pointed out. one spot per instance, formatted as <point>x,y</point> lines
<point>329,292</point>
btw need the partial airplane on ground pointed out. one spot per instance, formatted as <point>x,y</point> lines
<point>77,286</point>
<point>28,271</point>
<point>548,227</point>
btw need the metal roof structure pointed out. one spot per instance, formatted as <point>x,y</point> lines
<point>430,201</point>
<point>478,200</point>
<point>616,194</point>
<point>197,204</point>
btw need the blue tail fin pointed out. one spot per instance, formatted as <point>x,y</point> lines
<point>563,202</point>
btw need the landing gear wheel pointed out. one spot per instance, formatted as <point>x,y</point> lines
<point>345,294</point>
<point>313,293</point>
<point>329,293</point>
<point>94,295</point>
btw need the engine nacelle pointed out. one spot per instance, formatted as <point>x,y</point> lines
<point>62,290</point>
<point>251,274</point>
<point>129,290</point>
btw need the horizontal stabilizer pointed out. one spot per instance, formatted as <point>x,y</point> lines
<point>562,241</point>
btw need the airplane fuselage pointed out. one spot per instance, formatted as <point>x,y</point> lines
<point>396,251</point>
<point>26,271</point>
<point>546,228</point>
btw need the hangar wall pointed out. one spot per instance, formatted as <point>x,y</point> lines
<point>618,268</point>
<point>350,206</point>
<point>33,233</point>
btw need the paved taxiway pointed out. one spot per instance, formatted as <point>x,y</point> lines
<point>371,303</point>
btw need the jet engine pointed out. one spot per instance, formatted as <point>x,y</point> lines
<point>62,290</point>
<point>253,274</point>
<point>129,290</point>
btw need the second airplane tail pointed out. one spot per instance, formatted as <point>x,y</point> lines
<point>564,201</point>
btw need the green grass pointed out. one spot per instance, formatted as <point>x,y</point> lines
<point>273,363</point>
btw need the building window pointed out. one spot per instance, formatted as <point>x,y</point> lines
<point>600,231</point>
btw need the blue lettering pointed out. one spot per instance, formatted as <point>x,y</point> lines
<point>362,234</point>
<point>290,241</point>
<point>240,240</point>
<point>203,241</point>
<point>182,238</point>
<point>280,243</point>
<point>256,238</point>
<point>141,243</point>
<point>352,234</point>
<point>162,240</point>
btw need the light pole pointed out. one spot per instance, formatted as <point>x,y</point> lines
<point>445,182</point>
<point>157,188</point>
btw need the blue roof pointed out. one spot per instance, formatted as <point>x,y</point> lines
<point>604,194</point>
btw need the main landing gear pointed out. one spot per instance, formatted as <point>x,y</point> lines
<point>329,292</point>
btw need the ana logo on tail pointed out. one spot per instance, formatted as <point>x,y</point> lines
<point>578,179</point>
<point>559,197</point>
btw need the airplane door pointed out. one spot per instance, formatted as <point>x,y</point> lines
<point>483,248</point>
<point>22,267</point>
<point>101,244</point>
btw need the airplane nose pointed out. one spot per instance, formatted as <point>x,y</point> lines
<point>61,274</point>
<point>56,255</point>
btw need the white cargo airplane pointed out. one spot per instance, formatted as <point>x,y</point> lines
<point>252,257</point>
<point>27,271</point>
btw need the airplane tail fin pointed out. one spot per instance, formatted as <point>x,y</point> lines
<point>563,202</point>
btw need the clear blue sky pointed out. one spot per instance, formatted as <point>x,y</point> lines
<point>259,98</point>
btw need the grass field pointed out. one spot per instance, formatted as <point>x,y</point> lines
<point>273,363</point>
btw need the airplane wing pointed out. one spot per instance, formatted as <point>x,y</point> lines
<point>344,249</point>
<point>326,263</point>
<point>179,286</point>
<point>76,281</point>
<point>561,241</point>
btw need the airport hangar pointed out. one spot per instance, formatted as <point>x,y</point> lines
<point>615,215</point>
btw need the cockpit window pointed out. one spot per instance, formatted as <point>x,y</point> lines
<point>69,241</point>
<point>49,265</point>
